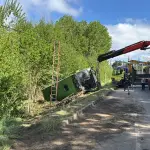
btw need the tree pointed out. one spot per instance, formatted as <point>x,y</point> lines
<point>11,74</point>
<point>30,69</point>
<point>116,64</point>
<point>11,13</point>
<point>99,40</point>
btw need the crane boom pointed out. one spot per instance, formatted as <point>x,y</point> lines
<point>142,45</point>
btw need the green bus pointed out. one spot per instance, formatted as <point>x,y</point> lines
<point>84,80</point>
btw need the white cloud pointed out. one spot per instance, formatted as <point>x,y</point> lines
<point>63,7</point>
<point>10,20</point>
<point>45,7</point>
<point>132,31</point>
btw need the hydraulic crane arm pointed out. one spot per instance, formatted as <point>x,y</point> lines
<point>142,45</point>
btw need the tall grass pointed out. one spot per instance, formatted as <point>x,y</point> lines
<point>8,130</point>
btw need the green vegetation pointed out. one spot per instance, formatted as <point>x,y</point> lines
<point>26,57</point>
<point>118,77</point>
<point>146,69</point>
<point>9,129</point>
<point>118,74</point>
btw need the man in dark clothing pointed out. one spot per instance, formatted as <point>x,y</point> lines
<point>143,83</point>
<point>126,83</point>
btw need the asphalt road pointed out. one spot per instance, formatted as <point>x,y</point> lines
<point>137,136</point>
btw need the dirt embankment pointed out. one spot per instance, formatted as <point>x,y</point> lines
<point>99,122</point>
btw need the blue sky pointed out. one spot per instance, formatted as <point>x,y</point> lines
<point>105,11</point>
<point>128,21</point>
<point>114,11</point>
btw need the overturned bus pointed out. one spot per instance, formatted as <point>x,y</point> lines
<point>84,80</point>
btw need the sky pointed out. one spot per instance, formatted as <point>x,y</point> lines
<point>127,21</point>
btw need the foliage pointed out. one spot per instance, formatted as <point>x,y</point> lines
<point>118,77</point>
<point>116,64</point>
<point>26,55</point>
<point>105,72</point>
<point>10,14</point>
<point>146,69</point>
<point>11,74</point>
<point>8,129</point>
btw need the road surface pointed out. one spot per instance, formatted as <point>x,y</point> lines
<point>137,136</point>
<point>119,122</point>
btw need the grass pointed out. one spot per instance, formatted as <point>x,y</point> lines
<point>50,125</point>
<point>104,84</point>
<point>8,130</point>
<point>12,128</point>
<point>62,113</point>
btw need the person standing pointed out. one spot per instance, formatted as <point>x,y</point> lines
<point>143,83</point>
<point>126,83</point>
